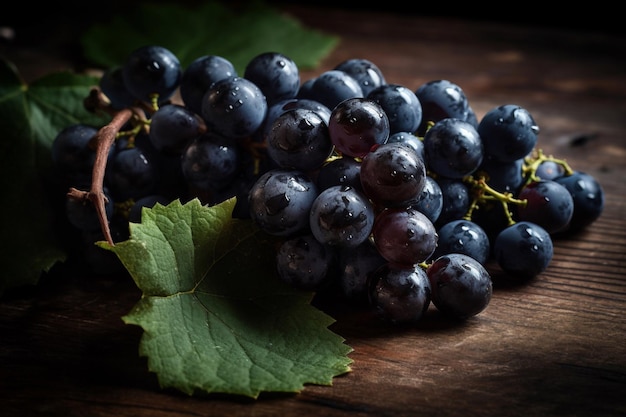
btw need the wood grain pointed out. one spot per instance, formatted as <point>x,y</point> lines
<point>555,346</point>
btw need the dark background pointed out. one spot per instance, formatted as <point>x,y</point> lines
<point>54,29</point>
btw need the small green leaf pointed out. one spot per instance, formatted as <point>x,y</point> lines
<point>31,118</point>
<point>215,316</point>
<point>209,29</point>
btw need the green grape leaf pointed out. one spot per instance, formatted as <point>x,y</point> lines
<point>32,115</point>
<point>216,317</point>
<point>209,29</point>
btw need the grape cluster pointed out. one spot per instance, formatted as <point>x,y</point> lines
<point>395,198</point>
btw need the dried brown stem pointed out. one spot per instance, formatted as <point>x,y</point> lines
<point>103,141</point>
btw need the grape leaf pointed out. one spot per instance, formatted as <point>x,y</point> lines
<point>31,117</point>
<point>209,29</point>
<point>215,316</point>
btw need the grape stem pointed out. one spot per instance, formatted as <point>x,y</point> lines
<point>532,162</point>
<point>102,141</point>
<point>483,192</point>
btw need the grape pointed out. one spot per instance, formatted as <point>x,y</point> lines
<point>393,175</point>
<point>282,106</point>
<point>453,148</point>
<point>172,126</point>
<point>409,139</point>
<point>303,262</point>
<point>82,214</point>
<point>357,124</point>
<point>404,237</point>
<point>441,99</point>
<point>201,74</point>
<point>430,200</point>
<point>549,170</point>
<point>149,201</point>
<point>131,173</point>
<point>400,295</point>
<point>588,197</point>
<point>365,72</point>
<point>100,260</point>
<point>341,217</point>
<point>456,200</point>
<point>508,132</point>
<point>523,250</point>
<point>210,161</point>
<point>306,90</point>
<point>234,107</point>
<point>396,199</point>
<point>340,171</point>
<point>463,236</point>
<point>152,70</point>
<point>299,139</point>
<point>548,204</point>
<point>355,266</point>
<point>401,106</point>
<point>71,152</point>
<point>506,177</point>
<point>332,87</point>
<point>461,286</point>
<point>275,74</point>
<point>112,86</point>
<point>280,201</point>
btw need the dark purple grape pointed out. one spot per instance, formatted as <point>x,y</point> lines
<point>341,217</point>
<point>430,200</point>
<point>400,295</point>
<point>303,262</point>
<point>456,200</point>
<point>149,201</point>
<point>340,171</point>
<point>282,106</point>
<point>442,99</point>
<point>548,204</point>
<point>453,148</point>
<point>234,107</point>
<point>99,260</point>
<point>588,198</point>
<point>275,74</point>
<point>404,237</point>
<point>172,126</point>
<point>150,71</point>
<point>201,74</point>
<point>401,105</point>
<point>463,236</point>
<point>131,173</point>
<point>299,139</point>
<point>82,213</point>
<point>508,132</point>
<point>280,201</point>
<point>355,266</point>
<point>549,170</point>
<point>393,175</point>
<point>461,286</point>
<point>365,72</point>
<point>210,162</point>
<point>333,86</point>
<point>523,250</point>
<point>505,177</point>
<point>409,139</point>
<point>112,86</point>
<point>71,152</point>
<point>306,90</point>
<point>356,125</point>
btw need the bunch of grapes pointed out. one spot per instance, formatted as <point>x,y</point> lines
<point>395,198</point>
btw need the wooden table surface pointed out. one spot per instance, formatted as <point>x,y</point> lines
<point>555,346</point>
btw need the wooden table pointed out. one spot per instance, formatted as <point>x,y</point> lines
<point>555,346</point>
